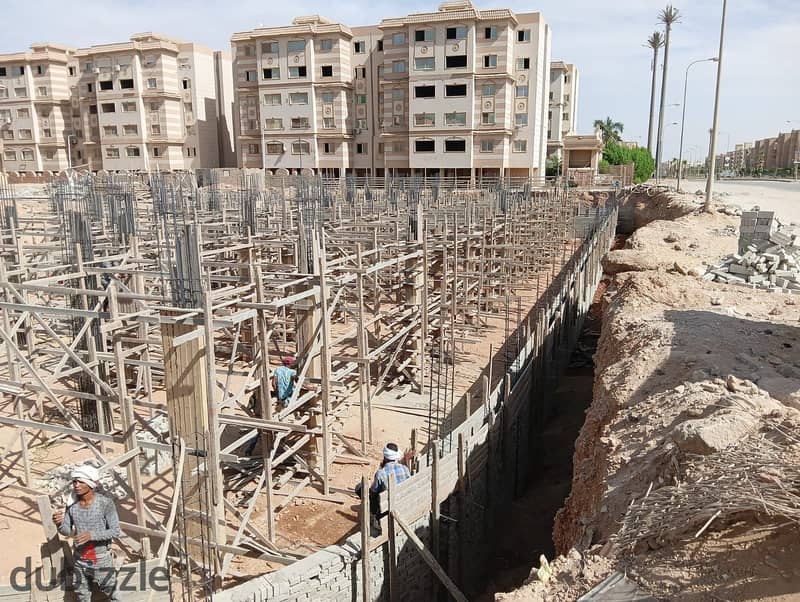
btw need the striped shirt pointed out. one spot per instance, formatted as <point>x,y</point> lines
<point>100,519</point>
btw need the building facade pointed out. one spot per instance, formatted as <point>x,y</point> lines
<point>35,108</point>
<point>457,92</point>
<point>562,113</point>
<point>149,103</point>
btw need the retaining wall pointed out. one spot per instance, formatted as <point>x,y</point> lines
<point>483,466</point>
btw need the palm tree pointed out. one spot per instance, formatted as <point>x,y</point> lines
<point>610,130</point>
<point>668,17</point>
<point>655,42</point>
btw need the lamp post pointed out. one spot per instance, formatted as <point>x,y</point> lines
<point>713,149</point>
<point>683,117</point>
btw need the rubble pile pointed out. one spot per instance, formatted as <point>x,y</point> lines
<point>768,257</point>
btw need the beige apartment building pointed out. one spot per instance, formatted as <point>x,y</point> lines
<point>149,103</point>
<point>457,92</point>
<point>562,114</point>
<point>35,108</point>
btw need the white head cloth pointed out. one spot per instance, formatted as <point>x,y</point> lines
<point>86,474</point>
<point>391,455</point>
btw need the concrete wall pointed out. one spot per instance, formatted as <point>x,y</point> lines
<point>494,445</point>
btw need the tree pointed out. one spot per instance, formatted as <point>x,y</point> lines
<point>668,16</point>
<point>655,42</point>
<point>643,163</point>
<point>552,166</point>
<point>610,130</point>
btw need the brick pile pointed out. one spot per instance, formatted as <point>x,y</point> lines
<point>768,257</point>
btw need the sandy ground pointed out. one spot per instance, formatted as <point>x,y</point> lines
<point>675,352</point>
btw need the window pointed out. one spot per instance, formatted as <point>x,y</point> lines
<point>455,145</point>
<point>299,123</point>
<point>328,123</point>
<point>187,84</point>
<point>90,67</point>
<point>128,107</point>
<point>487,118</point>
<point>298,98</point>
<point>17,71</point>
<point>361,99</point>
<point>490,33</point>
<point>381,148</point>
<point>273,73</point>
<point>3,74</point>
<point>273,123</point>
<point>152,82</point>
<point>109,130</point>
<point>361,72</point>
<point>521,119</point>
<point>156,151</point>
<point>361,148</point>
<point>398,67</point>
<point>155,106</point>
<point>327,70</point>
<point>424,119</point>
<point>112,153</point>
<point>328,97</point>
<point>361,124</point>
<point>455,118</point>
<point>274,148</point>
<point>522,92</point>
<point>380,45</point>
<point>425,64</point>
<point>249,50</point>
<point>130,130</point>
<point>47,133</point>
<point>252,149</point>
<point>520,146</point>
<point>295,72</point>
<point>566,78</point>
<point>325,45</point>
<point>155,129</point>
<point>455,90</point>
<point>39,70</point>
<point>21,92</point>
<point>423,35</point>
<point>424,91</point>
<point>27,154</point>
<point>523,63</point>
<point>41,91</point>
<point>487,146</point>
<point>272,99</point>
<point>109,107</point>
<point>424,146</point>
<point>524,35</point>
<point>132,151</point>
<point>127,84</point>
<point>398,39</point>
<point>489,61</point>
<point>551,96</point>
<point>565,116</point>
<point>454,62</point>
<point>92,109</point>
<point>8,134</point>
<point>25,135</point>
<point>328,148</point>
<point>566,97</point>
<point>359,47</point>
<point>381,70</point>
<point>398,94</point>
<point>23,113</point>
<point>295,45</point>
<point>90,88</point>
<point>269,48</point>
<point>250,76</point>
<point>489,89</point>
<point>457,33</point>
<point>10,155</point>
<point>300,147</point>
<point>5,115</point>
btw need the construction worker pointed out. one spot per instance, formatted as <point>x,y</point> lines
<point>394,463</point>
<point>91,518</point>
<point>283,381</point>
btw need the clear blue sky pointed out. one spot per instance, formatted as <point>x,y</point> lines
<point>761,80</point>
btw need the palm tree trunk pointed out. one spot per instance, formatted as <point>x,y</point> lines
<point>652,102</point>
<point>659,142</point>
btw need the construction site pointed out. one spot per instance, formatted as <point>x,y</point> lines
<point>143,317</point>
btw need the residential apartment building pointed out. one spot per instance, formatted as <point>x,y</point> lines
<point>149,103</point>
<point>458,92</point>
<point>562,114</point>
<point>35,107</point>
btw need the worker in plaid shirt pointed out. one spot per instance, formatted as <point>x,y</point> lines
<point>394,463</point>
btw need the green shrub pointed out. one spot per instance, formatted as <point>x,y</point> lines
<point>643,163</point>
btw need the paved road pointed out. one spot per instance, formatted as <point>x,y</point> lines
<point>781,197</point>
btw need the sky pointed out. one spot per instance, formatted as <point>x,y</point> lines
<point>760,89</point>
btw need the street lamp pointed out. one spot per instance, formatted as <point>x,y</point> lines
<point>715,119</point>
<point>683,118</point>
